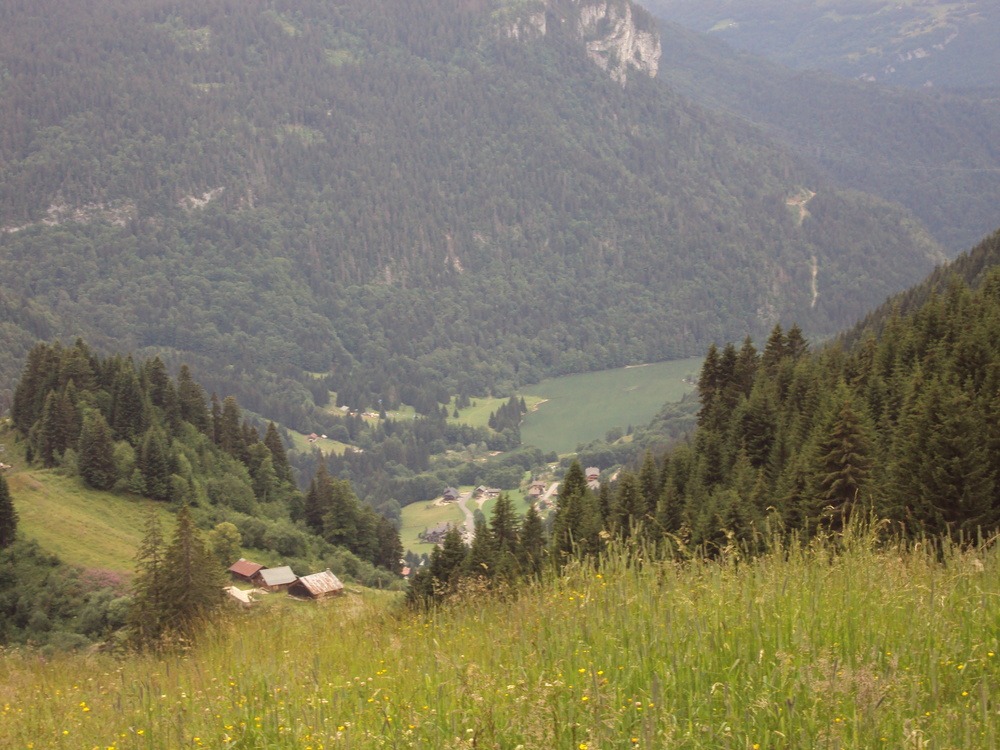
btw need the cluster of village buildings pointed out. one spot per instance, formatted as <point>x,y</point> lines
<point>543,494</point>
<point>312,587</point>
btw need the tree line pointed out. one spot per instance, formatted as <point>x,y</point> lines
<point>903,427</point>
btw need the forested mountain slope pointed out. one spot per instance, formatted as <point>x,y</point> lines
<point>456,197</point>
<point>935,152</point>
<point>910,43</point>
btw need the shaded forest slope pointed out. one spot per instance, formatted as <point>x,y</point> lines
<point>409,203</point>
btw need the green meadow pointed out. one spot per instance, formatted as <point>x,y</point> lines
<point>839,644</point>
<point>82,526</point>
<point>576,409</point>
<point>417,517</point>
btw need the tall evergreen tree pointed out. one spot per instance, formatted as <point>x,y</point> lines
<point>577,523</point>
<point>153,463</point>
<point>531,551</point>
<point>8,514</point>
<point>191,400</point>
<point>279,455</point>
<point>842,468</point>
<point>147,614</point>
<point>193,580</point>
<point>96,451</point>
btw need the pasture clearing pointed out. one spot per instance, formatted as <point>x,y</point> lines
<point>581,408</point>
<point>82,526</point>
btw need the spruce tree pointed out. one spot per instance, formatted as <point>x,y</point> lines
<point>153,463</point>
<point>342,522</point>
<point>279,455</point>
<point>97,452</point>
<point>193,579</point>
<point>446,561</point>
<point>128,418</point>
<point>481,560</point>
<point>8,514</point>
<point>147,614</point>
<point>504,529</point>
<point>630,506</point>
<point>191,400</point>
<point>531,552</point>
<point>577,523</point>
<point>842,468</point>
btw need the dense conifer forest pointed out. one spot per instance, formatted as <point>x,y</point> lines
<point>391,204</point>
<point>135,430</point>
<point>902,427</point>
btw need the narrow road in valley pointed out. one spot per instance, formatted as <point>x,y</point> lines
<point>470,519</point>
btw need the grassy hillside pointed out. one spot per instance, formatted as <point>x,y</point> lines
<point>799,649</point>
<point>82,526</point>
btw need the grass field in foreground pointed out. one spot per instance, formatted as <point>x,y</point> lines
<point>581,408</point>
<point>80,525</point>
<point>800,649</point>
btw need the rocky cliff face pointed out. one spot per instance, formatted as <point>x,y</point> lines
<point>619,36</point>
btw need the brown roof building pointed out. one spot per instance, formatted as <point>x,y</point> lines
<point>317,586</point>
<point>244,570</point>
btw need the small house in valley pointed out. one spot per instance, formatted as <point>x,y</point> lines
<point>243,570</point>
<point>274,579</point>
<point>317,586</point>
<point>450,495</point>
<point>435,534</point>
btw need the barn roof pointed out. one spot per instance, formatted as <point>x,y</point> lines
<point>244,567</point>
<point>278,576</point>
<point>321,583</point>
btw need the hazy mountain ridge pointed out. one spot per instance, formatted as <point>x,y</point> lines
<point>913,43</point>
<point>935,152</point>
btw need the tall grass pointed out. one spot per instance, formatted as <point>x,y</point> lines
<point>822,646</point>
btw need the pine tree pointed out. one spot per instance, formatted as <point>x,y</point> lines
<point>630,506</point>
<point>649,484</point>
<point>192,581</point>
<point>481,560</point>
<point>446,561</point>
<point>8,515</point>
<point>390,547</point>
<point>128,418</point>
<point>147,614</point>
<point>531,552</point>
<point>232,438</point>
<point>191,400</point>
<point>505,529</point>
<point>318,499</point>
<point>97,452</point>
<point>842,468</point>
<point>47,431</point>
<point>279,455</point>
<point>154,465</point>
<point>342,519</point>
<point>577,523</point>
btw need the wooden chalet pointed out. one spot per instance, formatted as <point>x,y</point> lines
<point>317,586</point>
<point>450,495</point>
<point>435,534</point>
<point>274,579</point>
<point>243,570</point>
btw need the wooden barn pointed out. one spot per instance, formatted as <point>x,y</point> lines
<point>274,579</point>
<point>317,586</point>
<point>243,570</point>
